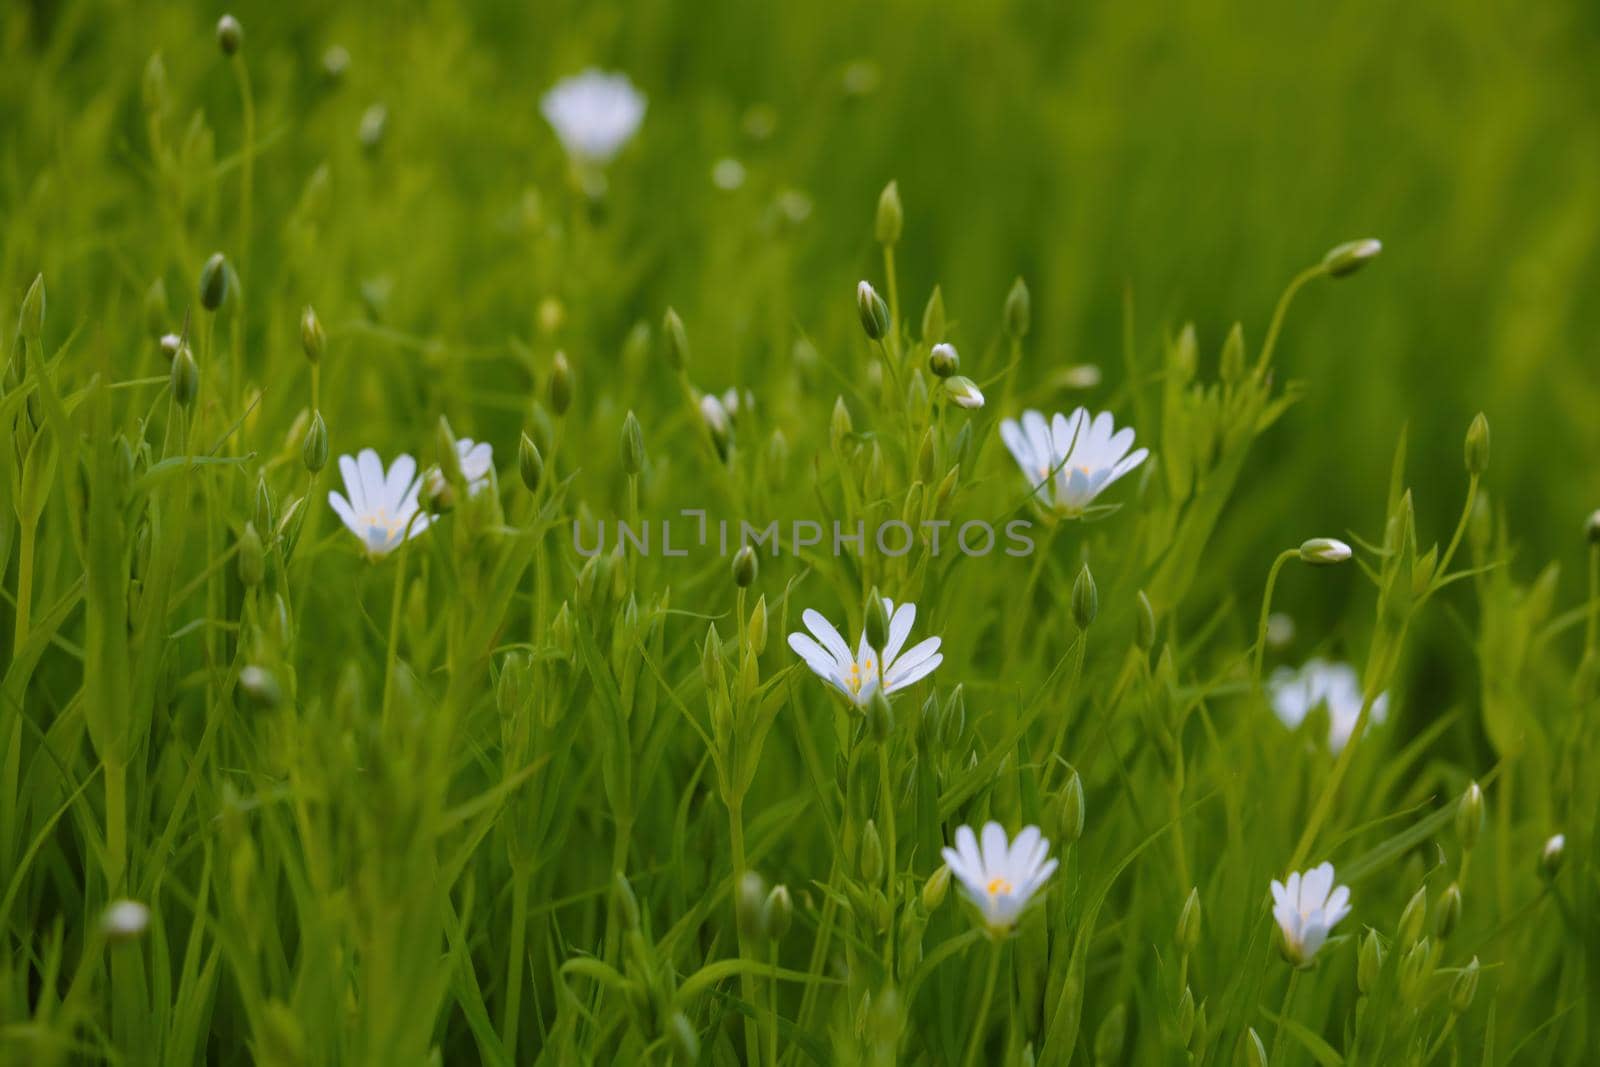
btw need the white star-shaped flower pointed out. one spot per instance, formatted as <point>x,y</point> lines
<point>477,460</point>
<point>594,114</point>
<point>380,507</point>
<point>1070,460</point>
<point>1000,877</point>
<point>1306,909</point>
<point>1294,694</point>
<point>858,676</point>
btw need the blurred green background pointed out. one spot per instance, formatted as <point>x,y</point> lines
<point>1193,155</point>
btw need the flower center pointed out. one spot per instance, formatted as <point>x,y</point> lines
<point>998,886</point>
<point>859,673</point>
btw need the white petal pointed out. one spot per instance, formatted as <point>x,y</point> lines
<point>899,629</point>
<point>352,483</point>
<point>345,512</point>
<point>918,662</point>
<point>370,468</point>
<point>816,657</point>
<point>398,480</point>
<point>818,624</point>
<point>994,848</point>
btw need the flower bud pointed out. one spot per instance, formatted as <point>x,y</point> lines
<point>1072,808</point>
<point>943,360</point>
<point>1550,858</point>
<point>877,621</point>
<point>1413,917</point>
<point>214,282</point>
<point>1449,912</point>
<point>1186,1016</point>
<point>314,452</point>
<point>530,464</point>
<point>1085,598</point>
<point>756,632</point>
<point>935,889</point>
<point>1018,311</point>
<point>1464,988</point>
<point>677,340</point>
<point>1369,963</point>
<point>1350,256</point>
<point>778,913</point>
<point>1476,449</point>
<point>312,337</point>
<point>874,312</point>
<point>841,427</point>
<point>963,392</point>
<point>750,906</point>
<point>933,318</point>
<point>891,217</point>
<point>560,384</point>
<point>169,345</point>
<point>124,920</point>
<point>632,445</point>
<point>1469,816</point>
<point>155,308</point>
<point>185,376</point>
<point>30,323</point>
<point>715,415</point>
<point>260,686</point>
<point>374,121</point>
<point>1252,1053</point>
<point>775,460</point>
<point>252,557</point>
<point>869,855</point>
<point>230,35</point>
<point>437,495</point>
<point>1324,550</point>
<point>744,567</point>
<point>1188,936</point>
<point>1414,971</point>
<point>1591,528</point>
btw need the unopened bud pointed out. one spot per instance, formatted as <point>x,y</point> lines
<point>185,376</point>
<point>1145,633</point>
<point>757,630</point>
<point>230,35</point>
<point>1188,936</point>
<point>933,318</point>
<point>1350,256</point>
<point>124,920</point>
<point>750,906</point>
<point>744,567</point>
<point>1186,1016</point>
<point>869,857</point>
<point>1476,448</point>
<point>560,384</point>
<point>840,428</point>
<point>779,912</point>
<point>1449,912</point>
<point>169,345</point>
<point>880,715</point>
<point>1412,919</point>
<point>1252,1053</point>
<point>1324,550</point>
<point>1369,963</point>
<point>252,557</point>
<point>155,308</point>
<point>715,415</point>
<point>214,282</point>
<point>874,312</point>
<point>30,323</point>
<point>963,392</point>
<point>1591,528</point>
<point>1469,816</point>
<point>943,360</point>
<point>260,686</point>
<point>1464,988</point>
<point>1085,598</point>
<point>935,889</point>
<point>1414,971</point>
<point>624,901</point>
<point>314,453</point>
<point>877,621</point>
<point>677,340</point>
<point>632,445</point>
<point>1019,310</point>
<point>1072,808</point>
<point>312,337</point>
<point>891,217</point>
<point>1550,857</point>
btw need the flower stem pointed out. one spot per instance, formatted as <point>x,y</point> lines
<point>1279,312</point>
<point>1283,1015</point>
<point>391,657</point>
<point>982,1019</point>
<point>1266,611</point>
<point>886,786</point>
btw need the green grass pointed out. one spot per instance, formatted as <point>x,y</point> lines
<point>487,800</point>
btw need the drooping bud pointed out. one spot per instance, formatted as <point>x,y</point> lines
<point>874,312</point>
<point>1018,311</point>
<point>314,453</point>
<point>560,384</point>
<point>676,339</point>
<point>1188,936</point>
<point>632,445</point>
<point>1351,256</point>
<point>1449,912</point>
<point>944,360</point>
<point>1469,816</point>
<point>1072,808</point>
<point>1324,550</point>
<point>779,912</point>
<point>1085,598</point>
<point>1476,448</point>
<point>252,557</point>
<point>214,282</point>
<point>230,35</point>
<point>185,376</point>
<point>963,392</point>
<point>891,217</point>
<point>744,567</point>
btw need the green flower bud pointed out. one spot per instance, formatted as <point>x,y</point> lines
<point>711,669</point>
<point>1469,816</point>
<point>1232,366</point>
<point>312,337</point>
<point>1072,808</point>
<point>30,323</point>
<point>718,425</point>
<point>1085,598</point>
<point>444,443</point>
<point>1188,935</point>
<point>756,631</point>
<point>744,567</point>
<point>1324,550</point>
<point>169,345</point>
<point>252,557</point>
<point>374,121</point>
<point>775,460</point>
<point>214,282</point>
<point>840,429</point>
<point>1018,311</point>
<point>1415,969</point>
<point>963,392</point>
<point>1591,528</point>
<point>185,377</point>
<point>529,463</point>
<point>779,912</point>
<point>877,616</point>
<point>230,35</point>
<point>314,453</point>
<point>750,906</point>
<point>880,716</point>
<point>560,384</point>
<point>1449,912</point>
<point>1476,449</point>
<point>944,360</point>
<point>1412,919</point>
<point>1350,256</point>
<point>677,340</point>
<point>874,312</point>
<point>1112,1034</point>
<point>153,86</point>
<point>1464,988</point>
<point>1186,1016</point>
<point>260,686</point>
<point>933,323</point>
<point>632,445</point>
<point>1145,634</point>
<point>891,217</point>
<point>869,854</point>
<point>156,310</point>
<point>1369,963</point>
<point>935,889</point>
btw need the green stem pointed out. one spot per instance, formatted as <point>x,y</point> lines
<point>772,1006</point>
<point>981,1022</point>
<point>519,934</point>
<point>25,543</point>
<point>1461,528</point>
<point>886,787</point>
<point>241,74</point>
<point>1283,1016</point>
<point>1279,312</point>
<point>392,655</point>
<point>116,774</point>
<point>1266,610</point>
<point>1591,633</point>
<point>752,1039</point>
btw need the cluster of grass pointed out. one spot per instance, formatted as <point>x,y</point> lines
<point>268,797</point>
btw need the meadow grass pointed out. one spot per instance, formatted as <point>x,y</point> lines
<point>420,775</point>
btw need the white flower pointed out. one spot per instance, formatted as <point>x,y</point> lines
<point>1306,909</point>
<point>381,508</point>
<point>859,676</point>
<point>477,460</point>
<point>1001,877</point>
<point>1294,694</point>
<point>124,920</point>
<point>1071,459</point>
<point>594,114</point>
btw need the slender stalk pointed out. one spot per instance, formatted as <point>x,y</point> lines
<point>772,1005</point>
<point>1591,633</point>
<point>1266,611</point>
<point>247,157</point>
<point>752,1039</point>
<point>520,878</point>
<point>1278,314</point>
<point>1283,1016</point>
<point>116,775</point>
<point>25,542</point>
<point>981,1021</point>
<point>392,655</point>
<point>886,788</point>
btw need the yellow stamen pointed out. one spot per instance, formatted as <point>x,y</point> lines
<point>997,886</point>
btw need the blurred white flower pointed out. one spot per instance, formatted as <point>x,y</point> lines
<point>477,460</point>
<point>1294,694</point>
<point>858,676</point>
<point>594,114</point>
<point>1307,909</point>
<point>727,174</point>
<point>1071,459</point>
<point>1280,629</point>
<point>1000,877</point>
<point>379,507</point>
<point>124,920</point>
